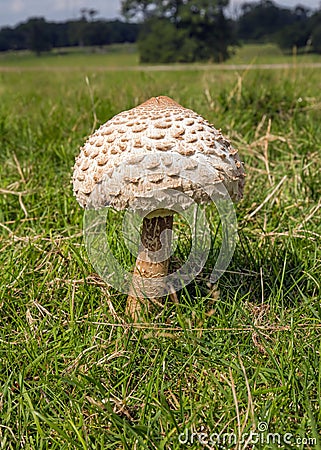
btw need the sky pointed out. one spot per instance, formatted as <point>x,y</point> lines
<point>13,12</point>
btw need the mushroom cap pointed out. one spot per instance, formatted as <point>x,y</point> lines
<point>156,146</point>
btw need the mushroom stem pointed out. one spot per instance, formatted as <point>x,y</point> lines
<point>152,262</point>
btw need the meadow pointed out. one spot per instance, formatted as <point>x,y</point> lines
<point>238,357</point>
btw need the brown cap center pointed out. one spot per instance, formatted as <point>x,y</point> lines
<point>160,102</point>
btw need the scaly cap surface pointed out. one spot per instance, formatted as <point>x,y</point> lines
<point>153,146</point>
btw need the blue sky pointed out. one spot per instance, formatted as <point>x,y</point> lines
<point>15,11</point>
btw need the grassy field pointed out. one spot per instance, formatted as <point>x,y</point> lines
<point>231,359</point>
<point>116,56</point>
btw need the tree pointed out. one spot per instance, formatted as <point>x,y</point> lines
<point>161,42</point>
<point>316,39</point>
<point>92,13</point>
<point>37,35</point>
<point>295,35</point>
<point>12,39</point>
<point>197,25</point>
<point>259,21</point>
<point>208,26</point>
<point>315,27</point>
<point>88,13</point>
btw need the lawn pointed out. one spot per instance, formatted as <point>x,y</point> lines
<point>126,56</point>
<point>225,360</point>
<point>112,56</point>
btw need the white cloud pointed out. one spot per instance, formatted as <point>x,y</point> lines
<point>60,5</point>
<point>17,6</point>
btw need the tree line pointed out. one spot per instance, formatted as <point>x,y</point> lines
<point>265,21</point>
<point>175,30</point>
<point>38,35</point>
<point>196,30</point>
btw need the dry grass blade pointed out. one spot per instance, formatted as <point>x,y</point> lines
<point>74,373</point>
<point>309,216</point>
<point>267,198</point>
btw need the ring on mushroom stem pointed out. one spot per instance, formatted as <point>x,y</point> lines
<point>151,147</point>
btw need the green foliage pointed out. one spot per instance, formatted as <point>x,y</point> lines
<point>197,29</point>
<point>316,32</point>
<point>37,35</point>
<point>259,21</point>
<point>161,42</point>
<point>316,39</point>
<point>296,35</point>
<point>265,21</point>
<point>304,33</point>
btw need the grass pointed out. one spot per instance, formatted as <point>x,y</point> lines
<point>225,359</point>
<point>111,56</point>
<point>125,55</point>
<point>269,54</point>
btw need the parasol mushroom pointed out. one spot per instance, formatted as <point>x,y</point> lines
<point>148,148</point>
